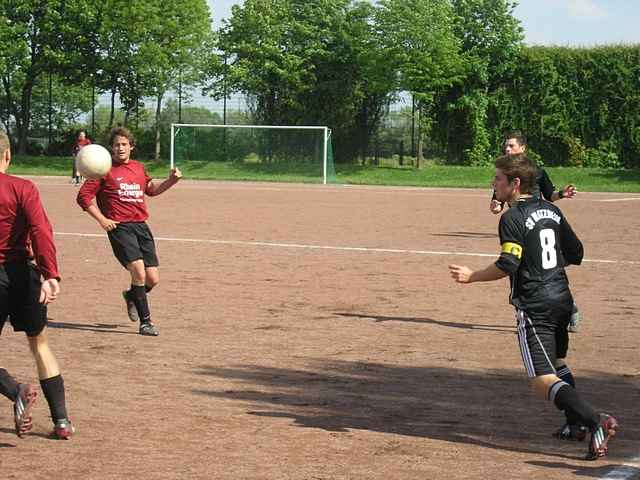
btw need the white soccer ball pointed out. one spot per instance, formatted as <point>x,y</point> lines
<point>93,161</point>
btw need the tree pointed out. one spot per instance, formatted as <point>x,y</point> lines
<point>269,46</point>
<point>308,63</point>
<point>68,103</point>
<point>112,54</point>
<point>490,39</point>
<point>418,36</point>
<point>35,37</point>
<point>179,32</point>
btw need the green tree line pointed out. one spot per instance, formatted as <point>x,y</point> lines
<point>339,63</point>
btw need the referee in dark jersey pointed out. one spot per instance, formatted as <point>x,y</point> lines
<point>515,143</point>
<point>28,282</point>
<point>536,244</point>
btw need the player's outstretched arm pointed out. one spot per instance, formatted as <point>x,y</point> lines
<point>568,191</point>
<point>174,176</point>
<point>463,274</point>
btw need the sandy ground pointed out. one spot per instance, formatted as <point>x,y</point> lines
<point>311,332</point>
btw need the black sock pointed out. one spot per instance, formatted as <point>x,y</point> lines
<point>564,373</point>
<point>53,389</point>
<point>139,297</point>
<point>8,385</point>
<point>566,398</point>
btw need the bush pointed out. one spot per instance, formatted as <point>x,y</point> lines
<point>577,152</point>
<point>601,158</point>
<point>534,156</point>
<point>35,147</point>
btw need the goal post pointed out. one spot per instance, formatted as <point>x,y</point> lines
<point>274,152</point>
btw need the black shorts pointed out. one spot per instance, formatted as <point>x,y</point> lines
<point>133,241</point>
<point>543,342</point>
<point>20,287</point>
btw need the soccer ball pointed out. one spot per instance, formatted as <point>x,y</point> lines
<point>93,161</point>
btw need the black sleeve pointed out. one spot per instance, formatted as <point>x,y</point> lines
<point>571,245</point>
<point>511,243</point>
<point>546,187</point>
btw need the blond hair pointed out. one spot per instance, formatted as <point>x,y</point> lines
<point>5,144</point>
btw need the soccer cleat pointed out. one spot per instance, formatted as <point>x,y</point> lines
<point>131,307</point>
<point>25,400</point>
<point>148,329</point>
<point>571,432</point>
<point>63,430</point>
<point>601,435</point>
<point>574,322</point>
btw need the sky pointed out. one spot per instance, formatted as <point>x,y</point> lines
<point>579,23</point>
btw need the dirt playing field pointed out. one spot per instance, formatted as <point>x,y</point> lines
<point>312,332</point>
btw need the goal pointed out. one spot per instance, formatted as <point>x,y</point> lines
<point>256,152</point>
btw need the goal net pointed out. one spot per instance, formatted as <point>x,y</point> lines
<point>255,152</point>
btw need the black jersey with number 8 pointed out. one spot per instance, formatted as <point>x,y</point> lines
<point>537,243</point>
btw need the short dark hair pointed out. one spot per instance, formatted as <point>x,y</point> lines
<point>518,165</point>
<point>519,136</point>
<point>121,132</point>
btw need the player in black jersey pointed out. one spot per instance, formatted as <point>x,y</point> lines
<point>537,243</point>
<point>515,143</point>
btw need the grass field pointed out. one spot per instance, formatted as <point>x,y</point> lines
<point>587,179</point>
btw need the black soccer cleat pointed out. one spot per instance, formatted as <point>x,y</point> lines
<point>132,312</point>
<point>148,329</point>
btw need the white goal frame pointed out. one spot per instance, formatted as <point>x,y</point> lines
<point>326,136</point>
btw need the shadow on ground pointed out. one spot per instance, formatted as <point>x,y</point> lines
<point>621,472</point>
<point>97,327</point>
<point>465,326</point>
<point>491,409</point>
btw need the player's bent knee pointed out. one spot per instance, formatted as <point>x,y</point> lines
<point>137,271</point>
<point>152,277</point>
<point>542,383</point>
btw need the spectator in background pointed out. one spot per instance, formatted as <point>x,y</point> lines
<point>81,141</point>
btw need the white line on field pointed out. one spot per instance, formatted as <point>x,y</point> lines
<point>329,247</point>
<point>627,199</point>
